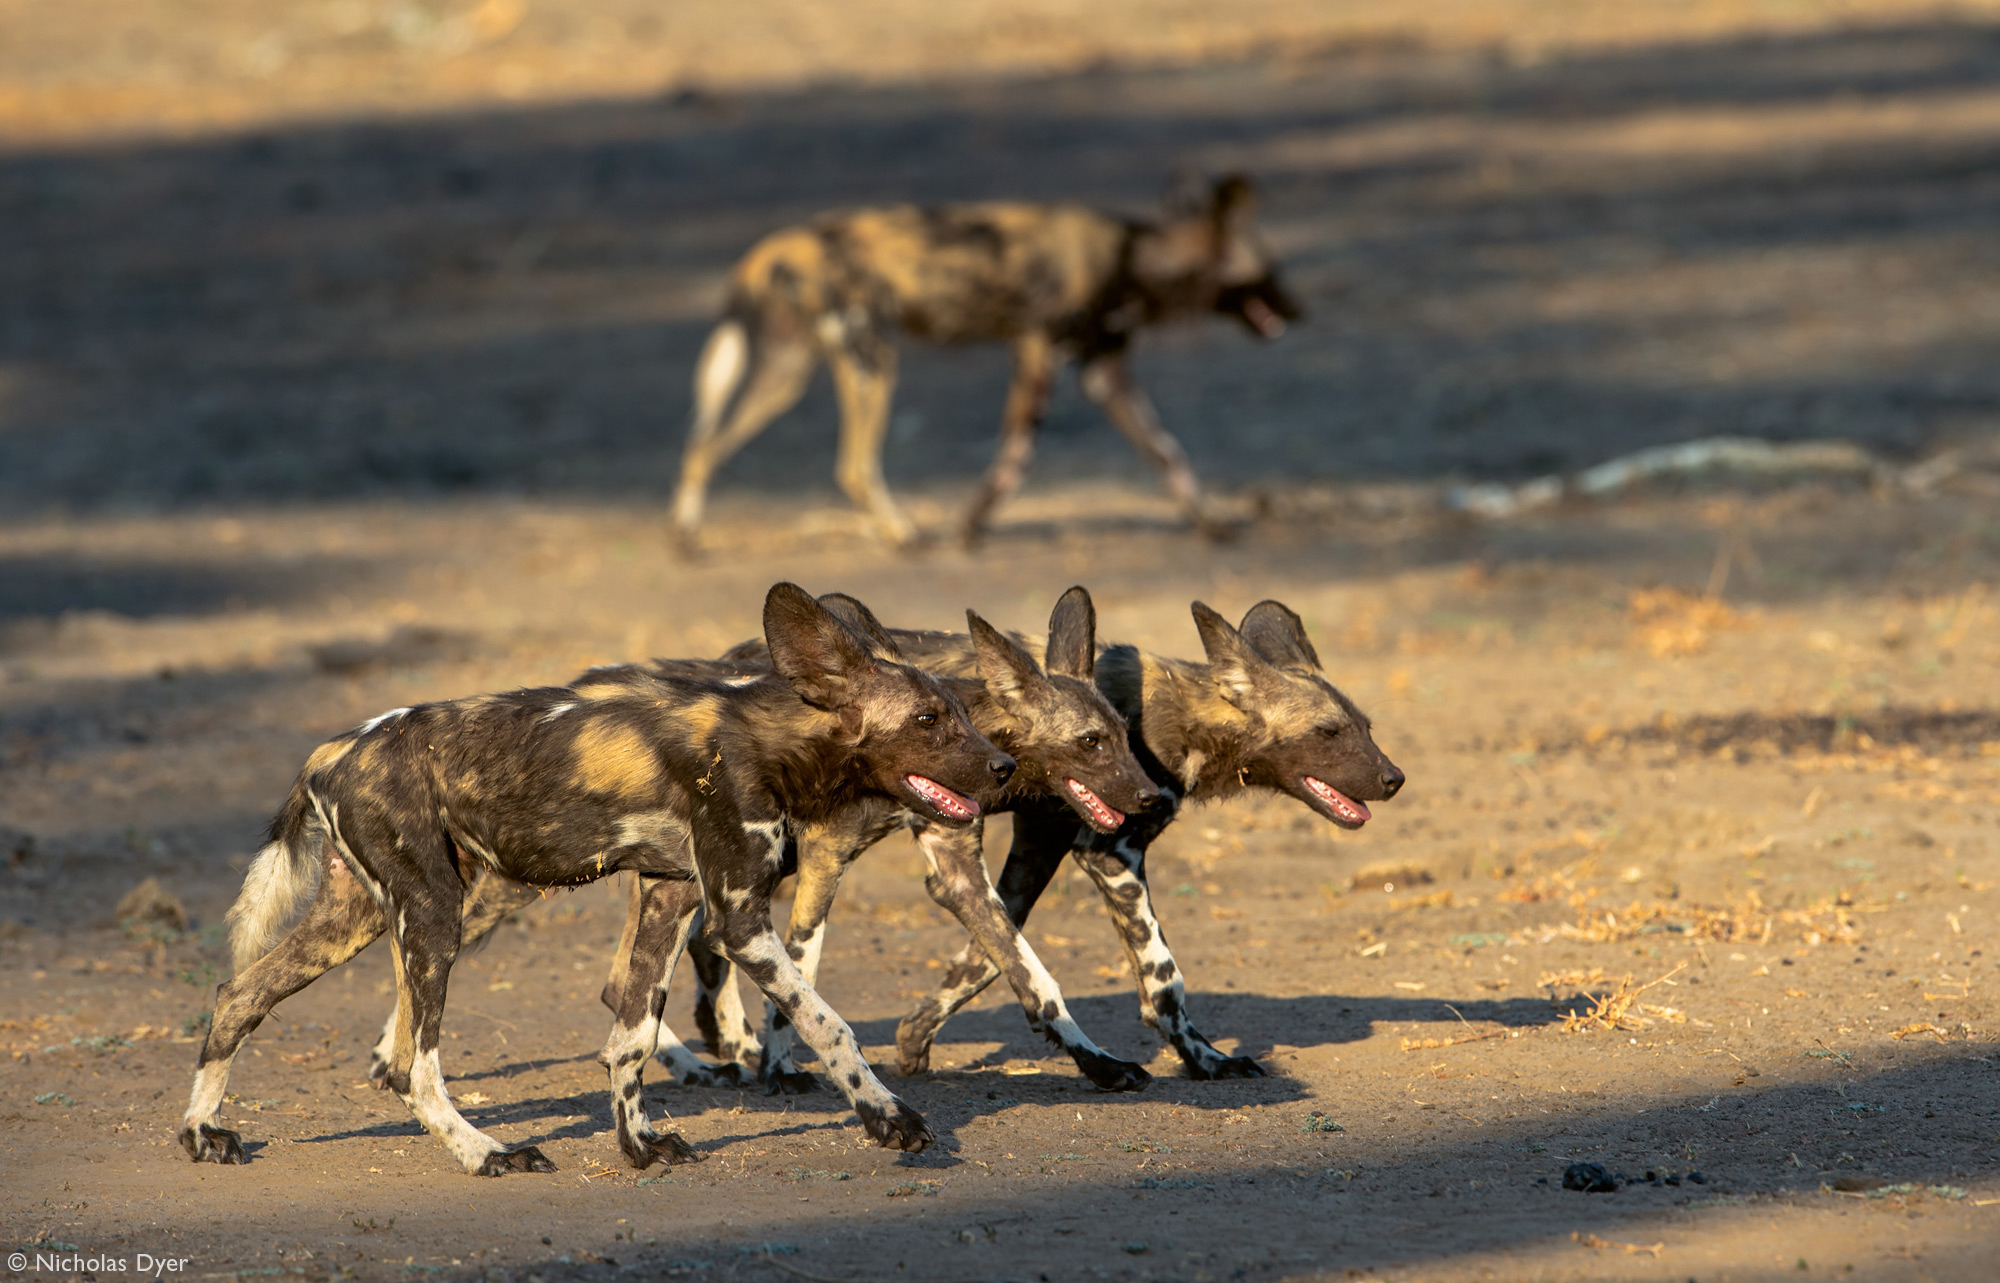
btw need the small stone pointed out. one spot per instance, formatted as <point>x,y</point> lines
<point>1589,1178</point>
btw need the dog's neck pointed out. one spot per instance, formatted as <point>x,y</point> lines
<point>772,742</point>
<point>1178,716</point>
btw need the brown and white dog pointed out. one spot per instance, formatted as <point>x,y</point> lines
<point>1059,283</point>
<point>688,783</point>
<point>1070,750</point>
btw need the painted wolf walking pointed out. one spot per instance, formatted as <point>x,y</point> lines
<point>1060,283</point>
<point>688,783</point>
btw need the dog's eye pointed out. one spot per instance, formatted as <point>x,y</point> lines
<point>1332,732</point>
<point>927,719</point>
<point>1090,742</point>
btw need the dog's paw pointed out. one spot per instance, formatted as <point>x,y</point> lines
<point>649,1147</point>
<point>378,1072</point>
<point>1224,1067</point>
<point>723,1075</point>
<point>522,1158</point>
<point>1108,1073</point>
<point>206,1144</point>
<point>913,1045</point>
<point>897,1127</point>
<point>782,1083</point>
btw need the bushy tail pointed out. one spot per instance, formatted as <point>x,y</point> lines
<point>283,875</point>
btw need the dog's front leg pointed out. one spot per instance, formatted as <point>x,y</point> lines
<point>1040,843</point>
<point>740,900</point>
<point>958,881</point>
<point>1119,870</point>
<point>669,910</point>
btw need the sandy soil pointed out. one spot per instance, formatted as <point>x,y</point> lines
<point>341,413</point>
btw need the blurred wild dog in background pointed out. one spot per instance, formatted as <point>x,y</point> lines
<point>1060,283</point>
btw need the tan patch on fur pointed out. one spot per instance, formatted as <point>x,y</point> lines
<point>615,759</point>
<point>700,717</point>
<point>327,754</point>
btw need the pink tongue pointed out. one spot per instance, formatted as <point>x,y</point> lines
<point>1091,800</point>
<point>945,799</point>
<point>1269,323</point>
<point>1346,807</point>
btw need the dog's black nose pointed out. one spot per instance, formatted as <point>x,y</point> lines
<point>1392,781</point>
<point>1002,767</point>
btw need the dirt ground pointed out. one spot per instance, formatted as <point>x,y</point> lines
<point>327,389</point>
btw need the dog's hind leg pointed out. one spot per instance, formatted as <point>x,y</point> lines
<point>342,920</point>
<point>864,377</point>
<point>1107,381</point>
<point>958,882</point>
<point>1040,843</point>
<point>1027,406</point>
<point>669,911</point>
<point>1118,867</point>
<point>779,365</point>
<point>427,939</point>
<point>492,898</point>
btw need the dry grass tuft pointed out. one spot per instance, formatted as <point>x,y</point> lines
<point>1591,1240</point>
<point>1621,1009</point>
<point>1748,921</point>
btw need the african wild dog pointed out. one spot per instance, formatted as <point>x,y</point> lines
<point>1060,283</point>
<point>1259,713</point>
<point>1069,746</point>
<point>687,783</point>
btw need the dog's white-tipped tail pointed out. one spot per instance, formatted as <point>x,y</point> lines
<point>280,878</point>
<point>724,358</point>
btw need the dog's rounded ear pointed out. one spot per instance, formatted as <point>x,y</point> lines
<point>862,620</point>
<point>1072,648</point>
<point>1233,663</point>
<point>1010,672</point>
<point>1279,635</point>
<point>811,647</point>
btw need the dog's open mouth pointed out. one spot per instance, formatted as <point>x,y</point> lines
<point>1264,317</point>
<point>1104,817</point>
<point>1343,807</point>
<point>954,806</point>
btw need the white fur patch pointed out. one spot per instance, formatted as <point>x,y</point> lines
<point>374,722</point>
<point>721,368</point>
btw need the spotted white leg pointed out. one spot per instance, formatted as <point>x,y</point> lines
<point>755,947</point>
<point>957,881</point>
<point>780,1070</point>
<point>669,912</point>
<point>1162,994</point>
<point>1041,840</point>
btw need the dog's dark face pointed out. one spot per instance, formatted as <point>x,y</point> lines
<point>1214,232</point>
<point>1309,740</point>
<point>1065,734</point>
<point>910,737</point>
